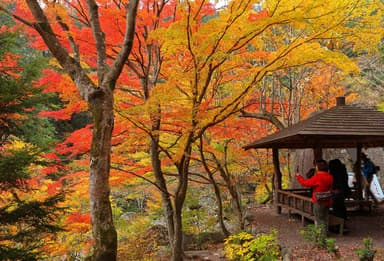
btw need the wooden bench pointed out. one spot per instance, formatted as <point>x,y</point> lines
<point>297,201</point>
<point>336,221</point>
<point>361,203</point>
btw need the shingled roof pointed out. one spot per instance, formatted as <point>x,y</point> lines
<point>343,126</point>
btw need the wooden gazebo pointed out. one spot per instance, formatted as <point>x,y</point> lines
<point>343,126</point>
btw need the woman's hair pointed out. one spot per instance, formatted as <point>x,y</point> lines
<point>336,166</point>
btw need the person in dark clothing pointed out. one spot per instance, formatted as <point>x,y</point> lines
<point>368,170</point>
<point>340,188</point>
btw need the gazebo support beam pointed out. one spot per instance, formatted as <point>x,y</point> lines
<point>357,170</point>
<point>277,179</point>
<point>317,154</point>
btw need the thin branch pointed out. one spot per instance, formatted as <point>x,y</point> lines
<point>99,36</point>
<point>16,17</point>
<point>71,40</point>
<point>263,115</point>
<point>127,43</point>
<point>141,177</point>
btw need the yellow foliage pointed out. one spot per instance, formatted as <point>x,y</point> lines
<point>243,49</point>
<point>17,144</point>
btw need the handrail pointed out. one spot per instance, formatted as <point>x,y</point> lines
<point>295,202</point>
<point>297,189</point>
<point>289,193</point>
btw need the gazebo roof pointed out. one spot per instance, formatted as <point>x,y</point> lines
<point>343,126</point>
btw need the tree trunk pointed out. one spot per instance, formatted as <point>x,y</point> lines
<point>159,176</point>
<point>104,232</point>
<point>177,245</point>
<point>165,196</point>
<point>237,202</point>
<point>100,102</point>
<point>181,192</point>
<point>216,189</point>
<point>235,197</point>
<point>219,207</point>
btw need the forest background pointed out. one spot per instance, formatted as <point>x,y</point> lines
<point>121,118</point>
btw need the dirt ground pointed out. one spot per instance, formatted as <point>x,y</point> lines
<point>361,224</point>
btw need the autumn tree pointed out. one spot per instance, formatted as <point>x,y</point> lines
<point>95,70</point>
<point>145,63</point>
<point>238,171</point>
<point>211,61</point>
<point>28,214</point>
<point>287,96</point>
<point>368,85</point>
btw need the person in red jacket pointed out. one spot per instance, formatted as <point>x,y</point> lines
<point>322,181</point>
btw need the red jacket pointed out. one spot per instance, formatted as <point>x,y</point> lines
<point>320,182</point>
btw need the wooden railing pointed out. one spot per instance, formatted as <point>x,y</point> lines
<point>296,201</point>
<point>299,201</point>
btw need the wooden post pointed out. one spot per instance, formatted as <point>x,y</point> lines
<point>277,173</point>
<point>317,154</point>
<point>357,170</point>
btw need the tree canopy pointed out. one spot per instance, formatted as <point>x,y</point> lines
<point>168,92</point>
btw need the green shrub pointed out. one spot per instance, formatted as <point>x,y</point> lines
<point>331,245</point>
<point>244,246</point>
<point>367,253</point>
<point>315,235</point>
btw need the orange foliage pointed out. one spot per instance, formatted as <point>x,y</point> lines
<point>9,65</point>
<point>79,222</point>
<point>76,177</point>
<point>77,143</point>
<point>52,156</point>
<point>62,85</point>
<point>50,169</point>
<point>255,16</point>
